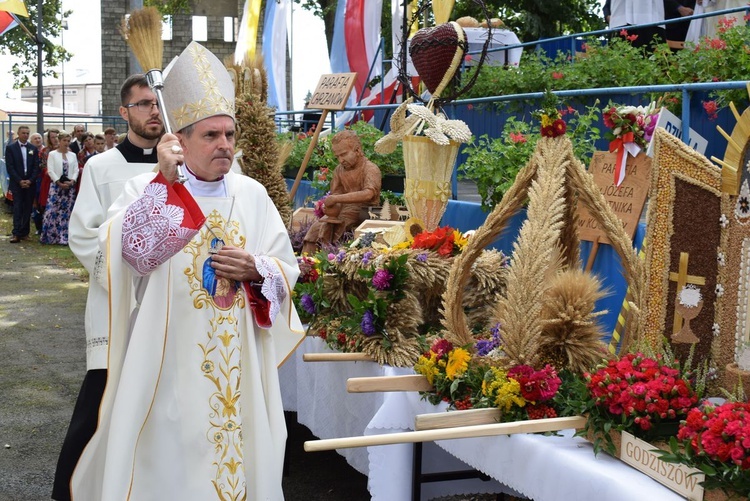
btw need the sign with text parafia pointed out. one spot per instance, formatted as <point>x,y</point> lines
<point>679,478</point>
<point>626,200</point>
<point>332,91</point>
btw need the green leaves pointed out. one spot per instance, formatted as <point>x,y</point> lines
<point>494,163</point>
<point>20,44</point>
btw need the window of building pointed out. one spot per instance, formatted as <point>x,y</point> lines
<point>200,28</point>
<point>229,29</point>
<point>166,28</point>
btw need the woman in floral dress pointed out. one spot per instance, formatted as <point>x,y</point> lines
<point>51,143</point>
<point>62,169</point>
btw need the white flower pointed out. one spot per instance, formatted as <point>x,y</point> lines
<point>724,221</point>
<point>719,290</point>
<point>720,259</point>
<point>716,329</point>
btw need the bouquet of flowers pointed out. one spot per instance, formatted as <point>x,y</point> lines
<point>467,381</point>
<point>445,241</point>
<point>552,124</point>
<point>634,394</point>
<point>716,440</point>
<point>631,129</point>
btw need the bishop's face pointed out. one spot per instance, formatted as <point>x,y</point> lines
<point>209,148</point>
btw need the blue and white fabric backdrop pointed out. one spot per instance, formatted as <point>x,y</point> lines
<point>274,51</point>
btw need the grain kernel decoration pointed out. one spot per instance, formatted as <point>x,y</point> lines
<point>672,159</point>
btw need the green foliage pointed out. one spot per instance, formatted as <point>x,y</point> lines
<point>494,163</point>
<point>534,19</point>
<point>392,198</point>
<point>619,64</point>
<point>17,42</point>
<point>323,157</point>
<point>170,7</point>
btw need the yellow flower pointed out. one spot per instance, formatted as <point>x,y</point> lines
<point>458,363</point>
<point>508,395</point>
<point>459,240</point>
<point>426,367</point>
<point>401,245</point>
<point>547,120</point>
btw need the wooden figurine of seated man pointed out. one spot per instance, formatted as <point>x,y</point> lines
<point>355,184</point>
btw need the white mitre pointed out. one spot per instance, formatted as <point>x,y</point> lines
<point>197,86</point>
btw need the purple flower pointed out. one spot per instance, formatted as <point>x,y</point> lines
<point>495,331</point>
<point>485,346</point>
<point>366,257</point>
<point>368,323</point>
<point>648,130</point>
<point>381,280</point>
<point>340,256</point>
<point>308,303</point>
<point>422,257</point>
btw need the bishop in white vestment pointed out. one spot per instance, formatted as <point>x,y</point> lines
<point>200,277</point>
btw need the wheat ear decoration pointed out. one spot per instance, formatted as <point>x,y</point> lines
<point>533,252</point>
<point>633,267</point>
<point>142,32</point>
<point>569,241</point>
<point>455,322</point>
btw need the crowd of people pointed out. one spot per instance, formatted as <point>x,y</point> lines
<point>626,13</point>
<point>44,171</point>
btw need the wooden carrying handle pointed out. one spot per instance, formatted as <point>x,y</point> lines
<point>337,357</point>
<point>388,383</point>
<point>534,426</point>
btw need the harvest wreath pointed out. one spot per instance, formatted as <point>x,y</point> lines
<point>385,301</point>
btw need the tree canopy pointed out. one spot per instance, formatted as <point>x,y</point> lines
<point>535,19</point>
<point>529,19</point>
<point>19,43</point>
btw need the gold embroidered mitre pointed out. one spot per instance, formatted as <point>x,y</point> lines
<point>197,86</point>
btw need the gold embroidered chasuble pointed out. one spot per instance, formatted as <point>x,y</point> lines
<point>192,408</point>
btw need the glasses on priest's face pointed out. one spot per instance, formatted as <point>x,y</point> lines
<point>144,106</point>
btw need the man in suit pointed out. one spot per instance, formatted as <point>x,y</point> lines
<point>77,143</point>
<point>22,162</point>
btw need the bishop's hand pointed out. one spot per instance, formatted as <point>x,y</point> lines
<point>170,154</point>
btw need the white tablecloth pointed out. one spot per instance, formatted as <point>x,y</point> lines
<point>317,392</point>
<point>500,38</point>
<point>544,468</point>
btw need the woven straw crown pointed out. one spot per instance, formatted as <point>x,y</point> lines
<point>197,86</point>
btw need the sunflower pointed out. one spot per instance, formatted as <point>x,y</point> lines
<point>458,363</point>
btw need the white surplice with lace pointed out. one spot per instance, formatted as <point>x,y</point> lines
<point>192,408</point>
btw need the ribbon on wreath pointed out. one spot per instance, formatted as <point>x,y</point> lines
<point>623,145</point>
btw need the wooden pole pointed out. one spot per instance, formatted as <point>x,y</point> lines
<point>592,255</point>
<point>388,383</point>
<point>485,430</point>
<point>308,154</point>
<point>337,357</point>
<point>453,419</point>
